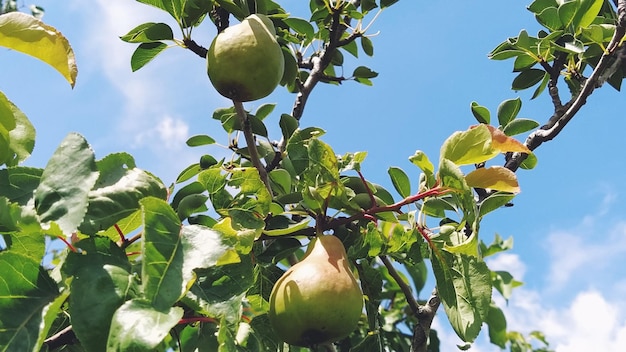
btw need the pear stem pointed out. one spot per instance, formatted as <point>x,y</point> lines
<point>251,143</point>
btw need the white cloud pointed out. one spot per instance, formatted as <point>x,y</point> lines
<point>508,262</point>
<point>584,252</point>
<point>170,132</point>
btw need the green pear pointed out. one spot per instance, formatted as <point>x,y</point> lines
<point>318,299</point>
<point>245,62</point>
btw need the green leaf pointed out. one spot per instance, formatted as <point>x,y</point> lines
<point>400,181</point>
<point>148,33</point>
<point>527,79</point>
<point>102,283</point>
<point>493,202</point>
<point>194,12</point>
<point>387,3</point>
<point>28,35</point>
<point>300,26</point>
<point>189,172</point>
<point>264,110</point>
<point>469,147</point>
<point>498,245</point>
<point>199,140</point>
<point>162,278</point>
<point>538,6</point>
<point>144,53</point>
<point>549,18</point>
<point>219,290</point>
<point>297,147</point>
<point>138,326</point>
<point>497,326</point>
<point>530,162</point>
<point>519,126</point>
<point>27,303</point>
<point>62,195</point>
<point>481,113</point>
<point>203,248</point>
<point>566,12</point>
<point>19,133</point>
<point>542,86</point>
<point>193,203</point>
<point>364,72</point>
<point>368,47</point>
<point>504,282</point>
<point>257,197</point>
<point>464,286</point>
<point>587,12</point>
<point>288,125</point>
<point>281,181</point>
<point>18,184</point>
<point>118,191</point>
<point>237,11</point>
<point>508,110</point>
<point>287,228</point>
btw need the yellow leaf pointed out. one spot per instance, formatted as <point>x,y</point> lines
<point>28,35</point>
<point>497,178</point>
<point>504,143</point>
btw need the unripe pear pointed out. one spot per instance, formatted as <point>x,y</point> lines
<point>318,299</point>
<point>245,62</point>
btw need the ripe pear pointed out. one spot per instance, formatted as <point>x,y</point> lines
<point>318,299</point>
<point>245,62</point>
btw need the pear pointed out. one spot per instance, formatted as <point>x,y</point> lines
<point>318,299</point>
<point>245,62</point>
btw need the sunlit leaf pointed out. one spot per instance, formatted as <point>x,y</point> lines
<point>102,283</point>
<point>28,35</point>
<point>496,177</point>
<point>587,12</point>
<point>469,147</point>
<point>504,143</point>
<point>138,326</point>
<point>19,133</point>
<point>26,294</point>
<point>62,196</point>
<point>117,192</point>
<point>464,286</point>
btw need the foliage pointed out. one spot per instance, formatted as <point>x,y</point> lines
<point>191,266</point>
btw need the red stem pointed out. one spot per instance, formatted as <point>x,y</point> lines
<point>69,245</point>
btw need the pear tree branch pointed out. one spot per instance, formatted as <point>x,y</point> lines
<point>611,58</point>
<point>251,143</point>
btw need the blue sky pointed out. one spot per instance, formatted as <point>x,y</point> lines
<point>569,221</point>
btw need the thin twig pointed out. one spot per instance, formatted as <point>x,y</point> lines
<point>62,338</point>
<point>251,144</point>
<point>406,289</point>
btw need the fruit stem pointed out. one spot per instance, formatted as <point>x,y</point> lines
<point>251,143</point>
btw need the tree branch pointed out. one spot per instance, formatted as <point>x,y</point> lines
<point>421,331</point>
<point>61,338</point>
<point>406,289</point>
<point>563,116</point>
<point>195,47</point>
<point>251,144</point>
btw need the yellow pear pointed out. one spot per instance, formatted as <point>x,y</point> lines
<point>317,300</point>
<point>245,62</point>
